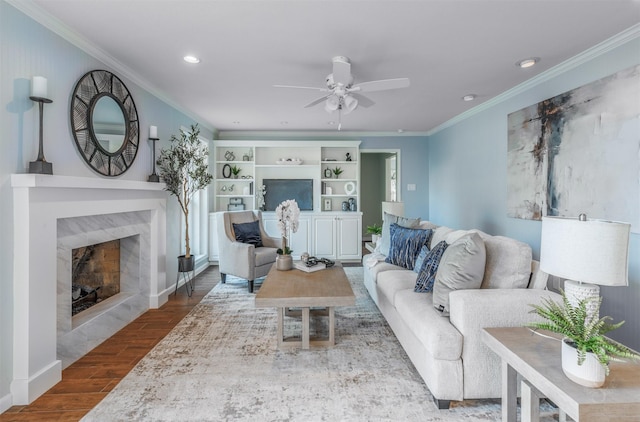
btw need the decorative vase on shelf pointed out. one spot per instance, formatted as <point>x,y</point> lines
<point>284,262</point>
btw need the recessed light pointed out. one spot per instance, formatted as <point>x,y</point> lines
<point>469,97</point>
<point>331,123</point>
<point>523,64</point>
<point>236,122</point>
<point>284,122</point>
<point>400,130</point>
<point>191,59</point>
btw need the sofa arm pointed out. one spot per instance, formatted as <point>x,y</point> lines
<point>472,310</point>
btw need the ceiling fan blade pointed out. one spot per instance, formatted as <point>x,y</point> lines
<point>380,85</point>
<point>363,101</point>
<point>342,71</point>
<point>302,87</point>
<point>317,101</point>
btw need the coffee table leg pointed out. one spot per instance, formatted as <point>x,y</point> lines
<point>509,392</point>
<point>332,326</point>
<point>305,328</point>
<point>280,327</point>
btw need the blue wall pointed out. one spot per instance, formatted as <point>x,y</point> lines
<point>467,177</point>
<point>28,49</point>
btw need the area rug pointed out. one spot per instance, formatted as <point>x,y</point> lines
<point>220,363</point>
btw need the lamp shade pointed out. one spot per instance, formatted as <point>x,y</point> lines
<point>392,207</point>
<point>591,251</point>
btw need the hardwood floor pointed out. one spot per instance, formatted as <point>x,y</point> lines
<point>87,381</point>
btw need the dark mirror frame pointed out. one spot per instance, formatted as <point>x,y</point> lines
<point>89,89</point>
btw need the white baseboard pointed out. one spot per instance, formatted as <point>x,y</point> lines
<point>6,402</point>
<point>25,391</point>
<point>201,264</point>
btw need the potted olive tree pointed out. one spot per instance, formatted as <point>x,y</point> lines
<point>184,169</point>
<point>586,352</point>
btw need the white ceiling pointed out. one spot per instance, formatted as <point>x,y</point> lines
<point>448,48</point>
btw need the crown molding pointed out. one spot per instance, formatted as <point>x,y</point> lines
<point>329,135</point>
<point>31,9</point>
<point>587,55</point>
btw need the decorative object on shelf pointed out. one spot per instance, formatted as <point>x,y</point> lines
<point>348,157</point>
<point>184,169</point>
<point>235,204</point>
<point>586,352</point>
<point>328,190</point>
<point>153,137</point>
<point>104,122</point>
<point>245,157</point>
<point>304,257</point>
<point>327,204</point>
<point>229,156</point>
<point>585,253</point>
<point>226,171</point>
<point>246,190</point>
<point>39,94</point>
<point>246,176</point>
<point>288,215</point>
<point>260,197</point>
<point>235,170</point>
<point>337,172</point>
<point>375,231</point>
<point>328,173</point>
<point>289,161</point>
<point>352,204</point>
<point>350,188</point>
<point>345,206</point>
<point>226,188</point>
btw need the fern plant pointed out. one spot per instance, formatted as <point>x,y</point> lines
<point>583,331</point>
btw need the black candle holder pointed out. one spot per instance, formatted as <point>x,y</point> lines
<point>41,165</point>
<point>153,177</point>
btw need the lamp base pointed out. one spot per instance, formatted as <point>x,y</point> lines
<point>40,167</point>
<point>576,291</point>
<point>153,178</point>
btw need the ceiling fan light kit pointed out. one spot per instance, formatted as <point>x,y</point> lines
<point>342,92</point>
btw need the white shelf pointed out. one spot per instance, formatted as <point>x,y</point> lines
<point>286,165</point>
<point>234,180</point>
<point>226,195</point>
<point>338,162</point>
<point>234,162</point>
<point>339,180</point>
<point>334,195</point>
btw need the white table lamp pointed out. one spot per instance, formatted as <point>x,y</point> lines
<point>586,253</point>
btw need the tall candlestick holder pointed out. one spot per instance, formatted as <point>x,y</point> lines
<point>153,177</point>
<point>41,165</point>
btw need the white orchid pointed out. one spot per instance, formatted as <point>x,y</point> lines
<point>288,214</point>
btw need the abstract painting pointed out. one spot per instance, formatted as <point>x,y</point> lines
<point>578,152</point>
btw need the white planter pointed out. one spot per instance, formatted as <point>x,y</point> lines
<point>590,374</point>
<point>375,238</point>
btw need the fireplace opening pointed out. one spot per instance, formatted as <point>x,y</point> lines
<point>95,275</point>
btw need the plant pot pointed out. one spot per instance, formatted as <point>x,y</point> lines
<point>375,238</point>
<point>186,265</point>
<point>284,262</point>
<point>590,374</point>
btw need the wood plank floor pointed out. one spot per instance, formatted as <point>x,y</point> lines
<point>87,381</point>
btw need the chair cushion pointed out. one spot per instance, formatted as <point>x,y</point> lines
<point>405,245</point>
<point>265,256</point>
<point>461,267</point>
<point>389,219</point>
<point>429,268</point>
<point>248,233</point>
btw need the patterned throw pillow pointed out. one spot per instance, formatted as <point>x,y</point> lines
<point>405,245</point>
<point>429,268</point>
<point>388,220</point>
<point>248,233</point>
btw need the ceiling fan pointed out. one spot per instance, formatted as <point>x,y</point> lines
<point>342,94</point>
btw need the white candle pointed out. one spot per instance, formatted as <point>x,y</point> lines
<point>153,131</point>
<point>39,87</point>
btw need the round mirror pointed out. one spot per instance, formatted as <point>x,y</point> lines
<point>107,121</point>
<point>104,120</point>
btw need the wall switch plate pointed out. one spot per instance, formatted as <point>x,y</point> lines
<point>411,186</point>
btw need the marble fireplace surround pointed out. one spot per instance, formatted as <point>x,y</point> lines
<point>52,215</point>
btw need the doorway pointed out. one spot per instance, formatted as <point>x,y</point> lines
<point>379,181</point>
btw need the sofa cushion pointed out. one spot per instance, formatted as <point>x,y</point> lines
<point>389,219</point>
<point>508,263</point>
<point>461,267</point>
<point>439,235</point>
<point>405,245</point>
<point>391,282</point>
<point>265,255</point>
<point>429,268</point>
<point>248,233</point>
<point>439,336</point>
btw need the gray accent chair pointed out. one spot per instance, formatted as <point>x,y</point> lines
<point>241,259</point>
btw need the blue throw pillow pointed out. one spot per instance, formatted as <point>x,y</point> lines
<point>427,272</point>
<point>406,244</point>
<point>248,233</point>
<point>420,258</point>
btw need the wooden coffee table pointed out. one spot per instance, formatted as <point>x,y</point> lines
<point>323,289</point>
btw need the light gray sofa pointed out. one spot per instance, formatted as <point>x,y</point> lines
<point>448,351</point>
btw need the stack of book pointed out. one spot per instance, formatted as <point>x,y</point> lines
<point>303,267</point>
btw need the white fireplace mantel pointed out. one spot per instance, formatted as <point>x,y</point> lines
<point>39,201</point>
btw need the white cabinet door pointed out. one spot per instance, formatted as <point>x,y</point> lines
<point>349,236</point>
<point>324,237</point>
<point>213,238</point>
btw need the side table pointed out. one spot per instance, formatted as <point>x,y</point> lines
<point>538,361</point>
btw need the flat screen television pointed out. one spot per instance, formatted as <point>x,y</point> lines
<point>278,190</point>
